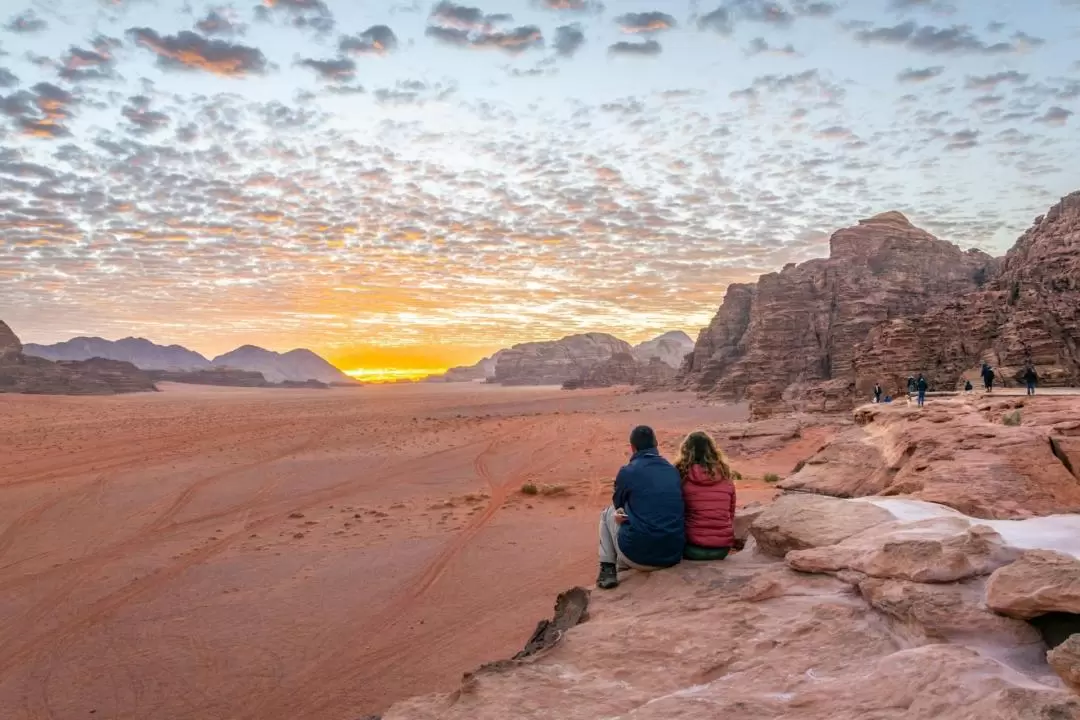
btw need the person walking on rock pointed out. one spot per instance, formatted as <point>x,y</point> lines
<point>988,377</point>
<point>1031,378</point>
<point>709,494</point>
<point>921,385</point>
<point>644,527</point>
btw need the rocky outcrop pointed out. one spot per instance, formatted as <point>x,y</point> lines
<point>670,348</point>
<point>777,341</point>
<point>1040,582</point>
<point>625,369</point>
<point>799,522</point>
<point>1027,312</point>
<point>21,373</point>
<point>750,637</point>
<point>480,372</point>
<point>890,302</point>
<point>1065,659</point>
<point>556,362</point>
<point>295,366</point>
<point>956,452</point>
<point>140,352</point>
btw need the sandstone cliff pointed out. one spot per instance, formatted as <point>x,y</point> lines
<point>140,352</point>
<point>626,369</point>
<point>294,366</point>
<point>556,362</point>
<point>21,373</point>
<point>1028,312</point>
<point>794,333</point>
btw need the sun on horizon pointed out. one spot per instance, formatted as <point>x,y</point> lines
<point>389,375</point>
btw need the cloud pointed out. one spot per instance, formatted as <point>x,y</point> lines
<point>40,112</point>
<point>27,22</point>
<point>194,52</point>
<point>1056,116</point>
<point>646,48</point>
<point>217,22</point>
<point>304,14</point>
<point>571,5</point>
<point>957,39</point>
<point>990,82</point>
<point>937,6</point>
<point>144,120</point>
<point>759,46</point>
<point>376,40</point>
<point>645,22</point>
<point>448,14</point>
<point>95,64</point>
<point>719,20</point>
<point>336,70</point>
<point>568,38</point>
<point>7,78</point>
<point>912,75</point>
<point>963,140</point>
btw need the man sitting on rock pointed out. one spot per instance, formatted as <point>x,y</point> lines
<point>643,528</point>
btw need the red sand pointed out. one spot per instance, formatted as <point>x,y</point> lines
<point>286,554</point>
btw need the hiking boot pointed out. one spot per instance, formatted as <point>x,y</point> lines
<point>608,578</point>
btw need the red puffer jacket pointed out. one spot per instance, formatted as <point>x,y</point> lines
<point>710,509</point>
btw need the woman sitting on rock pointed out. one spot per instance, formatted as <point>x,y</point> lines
<point>709,495</point>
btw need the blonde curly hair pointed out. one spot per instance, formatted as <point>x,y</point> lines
<point>700,449</point>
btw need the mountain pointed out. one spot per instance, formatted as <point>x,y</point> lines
<point>23,373</point>
<point>138,351</point>
<point>671,348</point>
<point>479,372</point>
<point>890,302</point>
<point>558,361</point>
<point>295,365</point>
<point>789,341</point>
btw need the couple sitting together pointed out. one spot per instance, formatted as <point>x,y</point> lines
<point>661,513</point>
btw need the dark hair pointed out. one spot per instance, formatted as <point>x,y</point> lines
<point>642,438</point>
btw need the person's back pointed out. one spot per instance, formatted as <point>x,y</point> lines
<point>710,513</point>
<point>647,488</point>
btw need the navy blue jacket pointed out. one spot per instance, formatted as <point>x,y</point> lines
<point>650,490</point>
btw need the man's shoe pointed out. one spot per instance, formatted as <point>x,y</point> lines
<point>608,578</point>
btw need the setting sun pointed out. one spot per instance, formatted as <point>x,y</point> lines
<point>389,375</point>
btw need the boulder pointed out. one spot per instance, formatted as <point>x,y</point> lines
<point>1040,582</point>
<point>1065,659</point>
<point>799,522</point>
<point>934,550</point>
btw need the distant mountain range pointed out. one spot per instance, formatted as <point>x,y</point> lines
<point>556,361</point>
<point>294,366</point>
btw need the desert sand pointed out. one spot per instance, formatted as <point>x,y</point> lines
<point>250,553</point>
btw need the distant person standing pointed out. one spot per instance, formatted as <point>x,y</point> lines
<point>911,385</point>
<point>988,377</point>
<point>921,385</point>
<point>877,392</point>
<point>967,386</point>
<point>1031,378</point>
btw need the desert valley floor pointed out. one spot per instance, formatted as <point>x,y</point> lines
<point>263,554</point>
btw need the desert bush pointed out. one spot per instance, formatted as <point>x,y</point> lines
<point>529,489</point>
<point>1011,419</point>
<point>772,478</point>
<point>550,490</point>
<point>736,475</point>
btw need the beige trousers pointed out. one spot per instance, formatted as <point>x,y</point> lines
<point>609,544</point>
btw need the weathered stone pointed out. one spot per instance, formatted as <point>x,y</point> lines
<point>953,453</point>
<point>935,550</point>
<point>799,522</point>
<point>1040,582</point>
<point>1065,659</point>
<point>670,348</point>
<point>9,342</point>
<point>553,363</point>
<point>789,342</point>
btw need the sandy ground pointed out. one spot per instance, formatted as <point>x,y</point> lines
<point>264,554</point>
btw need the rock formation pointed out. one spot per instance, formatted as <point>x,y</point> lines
<point>671,348</point>
<point>751,638</point>
<point>555,362</point>
<point>140,352</point>
<point>892,301</point>
<point>479,372</point>
<point>1027,312</point>
<point>296,365</point>
<point>954,452</point>
<point>625,369</point>
<point>21,373</point>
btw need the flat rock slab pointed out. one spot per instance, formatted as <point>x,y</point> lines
<point>1040,582</point>
<point>800,522</point>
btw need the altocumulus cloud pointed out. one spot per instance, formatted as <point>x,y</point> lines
<point>192,51</point>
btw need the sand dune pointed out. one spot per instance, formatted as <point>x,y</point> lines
<point>246,553</point>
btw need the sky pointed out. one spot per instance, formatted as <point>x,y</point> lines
<point>413,185</point>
